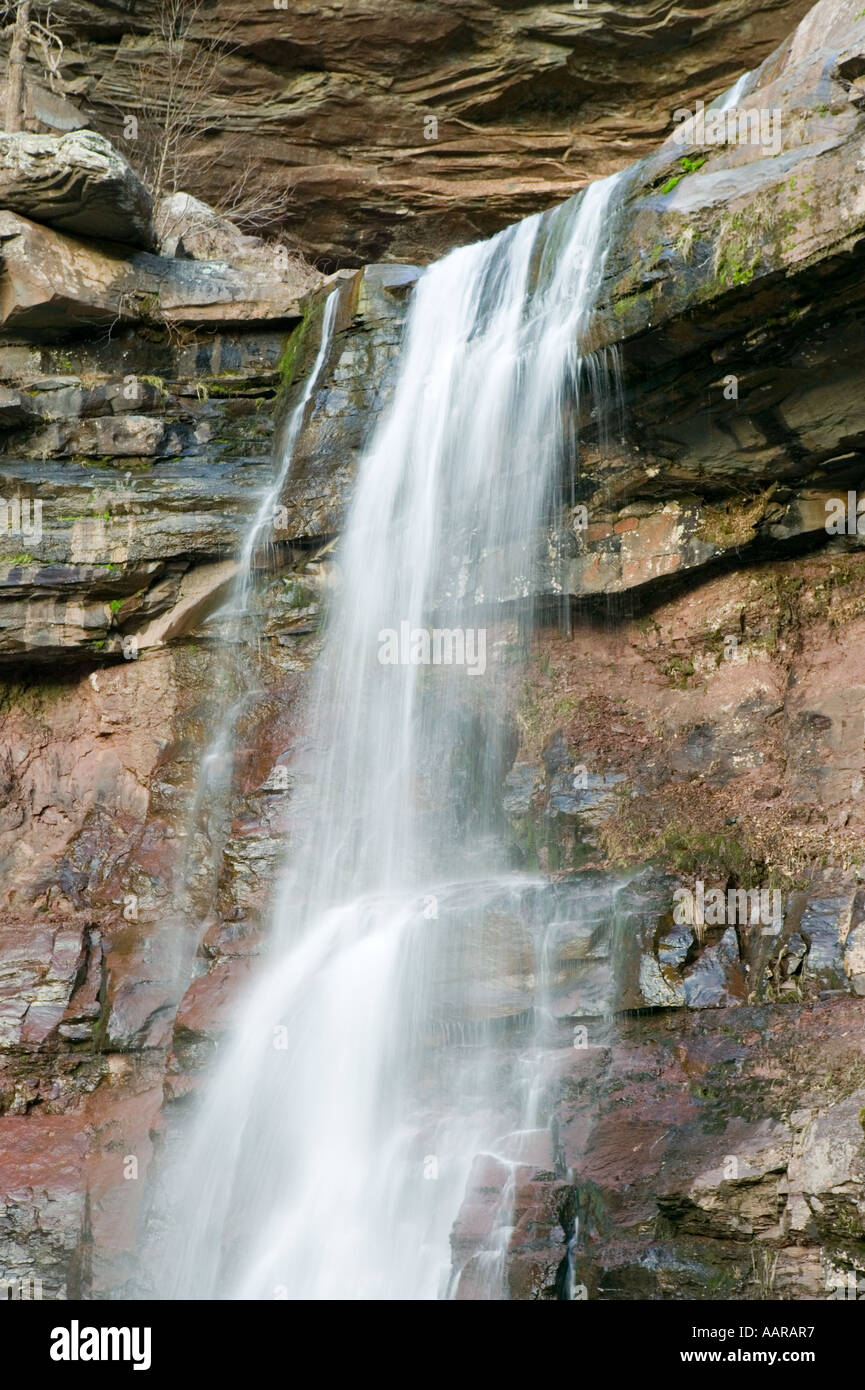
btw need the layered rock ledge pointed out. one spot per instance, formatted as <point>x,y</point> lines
<point>701,712</point>
<point>405,129</point>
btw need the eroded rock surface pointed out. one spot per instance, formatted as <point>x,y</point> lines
<point>404,129</point>
<point>78,183</point>
<point>697,717</point>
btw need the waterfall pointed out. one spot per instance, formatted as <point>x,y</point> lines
<point>729,100</point>
<point>261,528</point>
<point>369,1064</point>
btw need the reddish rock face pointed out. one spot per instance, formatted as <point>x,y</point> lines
<point>404,130</point>
<point>717,1155</point>
<point>706,1142</point>
<point>80,756</point>
<point>104,778</point>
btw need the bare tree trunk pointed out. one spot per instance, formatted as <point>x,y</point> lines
<point>15,76</point>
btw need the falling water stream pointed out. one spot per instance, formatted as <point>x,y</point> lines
<point>195,873</point>
<point>729,100</point>
<point>218,758</point>
<point>367,1069</point>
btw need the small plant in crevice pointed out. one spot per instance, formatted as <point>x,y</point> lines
<point>689,166</point>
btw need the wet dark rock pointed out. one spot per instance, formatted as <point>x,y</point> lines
<point>795,951</point>
<point>557,755</point>
<point>568,797</point>
<point>357,385</point>
<point>821,926</point>
<point>716,978</point>
<point>521,783</point>
<point>675,945</point>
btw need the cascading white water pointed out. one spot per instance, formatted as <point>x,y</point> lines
<point>331,1151</point>
<point>729,100</point>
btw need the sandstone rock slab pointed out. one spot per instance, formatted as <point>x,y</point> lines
<point>53,283</point>
<point>77,182</point>
<point>407,129</point>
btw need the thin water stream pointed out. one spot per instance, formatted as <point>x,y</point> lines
<point>197,868</point>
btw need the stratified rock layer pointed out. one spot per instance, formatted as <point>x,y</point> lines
<point>404,129</point>
<point>78,183</point>
<point>699,713</point>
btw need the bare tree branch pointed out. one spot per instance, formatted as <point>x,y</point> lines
<point>175,81</point>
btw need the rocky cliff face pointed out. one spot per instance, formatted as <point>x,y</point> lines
<point>694,711</point>
<point>405,129</point>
